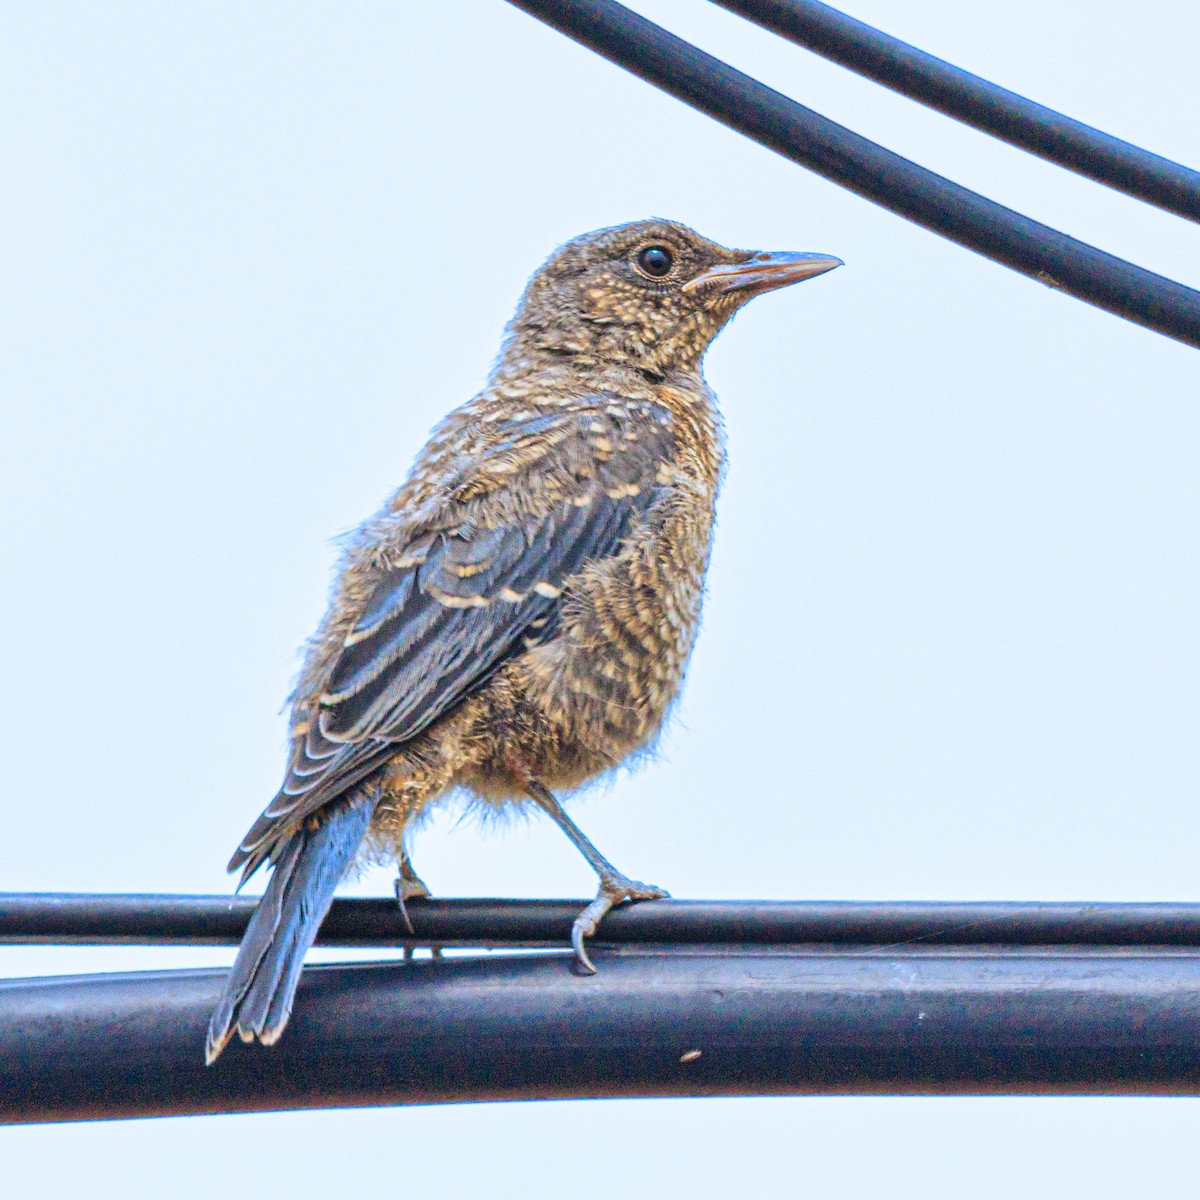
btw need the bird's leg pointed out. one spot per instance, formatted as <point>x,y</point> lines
<point>615,888</point>
<point>408,887</point>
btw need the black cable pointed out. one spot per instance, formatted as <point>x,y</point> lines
<point>669,1022</point>
<point>879,175</point>
<point>976,102</point>
<point>97,920</point>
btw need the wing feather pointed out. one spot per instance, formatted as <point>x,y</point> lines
<point>460,599</point>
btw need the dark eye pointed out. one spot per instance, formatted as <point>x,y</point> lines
<point>656,261</point>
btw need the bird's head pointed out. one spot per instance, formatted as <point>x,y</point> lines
<point>650,295</point>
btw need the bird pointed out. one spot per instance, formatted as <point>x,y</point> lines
<point>517,618</point>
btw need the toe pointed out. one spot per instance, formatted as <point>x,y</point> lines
<point>620,888</point>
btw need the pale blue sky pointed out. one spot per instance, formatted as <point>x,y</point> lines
<point>252,251</point>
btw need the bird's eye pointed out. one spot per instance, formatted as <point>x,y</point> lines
<point>655,261</point>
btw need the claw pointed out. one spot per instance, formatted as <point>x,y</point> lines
<point>409,888</point>
<point>585,925</point>
<point>581,955</point>
<point>613,891</point>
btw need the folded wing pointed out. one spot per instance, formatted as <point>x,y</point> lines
<point>466,596</point>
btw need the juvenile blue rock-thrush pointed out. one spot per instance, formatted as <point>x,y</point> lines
<point>517,618</point>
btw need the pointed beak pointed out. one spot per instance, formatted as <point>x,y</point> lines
<point>763,272</point>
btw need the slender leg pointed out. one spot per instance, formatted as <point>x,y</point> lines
<point>615,888</point>
<point>408,887</point>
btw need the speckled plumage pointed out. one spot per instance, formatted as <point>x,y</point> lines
<point>517,618</point>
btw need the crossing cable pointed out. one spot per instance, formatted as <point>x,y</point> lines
<point>872,171</point>
<point>976,102</point>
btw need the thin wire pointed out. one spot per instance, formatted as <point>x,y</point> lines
<point>98,920</point>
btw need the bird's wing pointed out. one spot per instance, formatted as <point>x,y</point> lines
<point>486,582</point>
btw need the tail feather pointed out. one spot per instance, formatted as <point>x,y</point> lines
<point>257,999</point>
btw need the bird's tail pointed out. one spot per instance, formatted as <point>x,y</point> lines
<point>257,999</point>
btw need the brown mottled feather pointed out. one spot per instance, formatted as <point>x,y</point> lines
<point>539,574</point>
<point>519,614</point>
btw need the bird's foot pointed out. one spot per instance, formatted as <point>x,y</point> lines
<point>614,890</point>
<point>409,887</point>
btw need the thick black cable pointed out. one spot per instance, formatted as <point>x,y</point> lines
<point>99,920</point>
<point>978,103</point>
<point>813,141</point>
<point>693,998</point>
<point>669,1022</point>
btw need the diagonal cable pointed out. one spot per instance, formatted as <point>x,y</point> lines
<point>978,103</point>
<point>879,175</point>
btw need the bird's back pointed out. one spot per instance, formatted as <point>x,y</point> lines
<point>594,684</point>
<point>537,579</point>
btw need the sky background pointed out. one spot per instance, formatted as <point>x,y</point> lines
<point>251,252</point>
